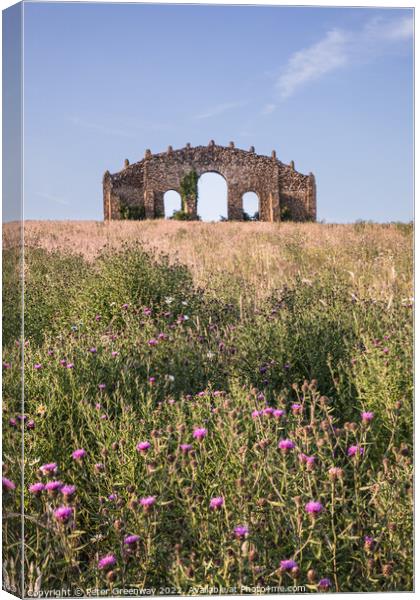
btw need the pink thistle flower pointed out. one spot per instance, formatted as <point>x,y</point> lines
<point>93,350</point>
<point>241,531</point>
<point>256,413</point>
<point>153,342</point>
<point>12,422</point>
<point>314,507</point>
<point>278,413</point>
<point>68,490</point>
<point>143,447</point>
<point>30,424</point>
<point>107,562</point>
<point>114,353</point>
<point>8,485</point>
<point>99,467</point>
<point>287,564</point>
<point>70,366</point>
<point>63,513</point>
<point>6,365</point>
<point>152,380</point>
<point>186,448</point>
<point>367,416</point>
<point>97,317</point>
<point>102,386</point>
<point>79,454</point>
<point>355,450</point>
<point>37,366</point>
<point>199,433</point>
<point>48,469</point>
<point>296,408</point>
<point>324,584</point>
<point>130,540</point>
<point>36,488</point>
<point>63,362</point>
<point>286,445</point>
<point>268,411</point>
<point>216,503</point>
<point>147,502</point>
<point>53,486</point>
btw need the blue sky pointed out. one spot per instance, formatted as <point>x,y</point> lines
<point>329,88</point>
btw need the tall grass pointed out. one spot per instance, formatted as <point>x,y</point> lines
<point>289,346</point>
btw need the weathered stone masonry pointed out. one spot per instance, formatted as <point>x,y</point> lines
<point>280,188</point>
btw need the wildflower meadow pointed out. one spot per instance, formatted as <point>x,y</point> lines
<point>208,408</point>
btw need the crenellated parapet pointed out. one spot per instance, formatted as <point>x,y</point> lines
<point>141,186</point>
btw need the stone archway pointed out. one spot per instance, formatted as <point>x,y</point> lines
<point>251,204</point>
<point>140,187</point>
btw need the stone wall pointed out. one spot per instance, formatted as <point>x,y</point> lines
<point>279,187</point>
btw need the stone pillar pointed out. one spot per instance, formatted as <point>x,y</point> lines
<point>106,183</point>
<point>191,206</point>
<point>149,203</point>
<point>235,206</point>
<point>274,206</point>
<point>311,198</point>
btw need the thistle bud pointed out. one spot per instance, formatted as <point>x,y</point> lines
<point>387,570</point>
<point>311,576</point>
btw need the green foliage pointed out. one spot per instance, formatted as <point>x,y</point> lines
<point>189,189</point>
<point>132,212</point>
<point>181,215</point>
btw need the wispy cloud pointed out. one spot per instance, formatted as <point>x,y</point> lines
<point>340,48</point>
<point>53,198</point>
<point>218,110</point>
<point>100,128</point>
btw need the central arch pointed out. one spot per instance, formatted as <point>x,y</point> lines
<point>171,202</point>
<point>251,206</point>
<point>212,196</point>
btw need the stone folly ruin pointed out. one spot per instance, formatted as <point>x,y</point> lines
<point>137,192</point>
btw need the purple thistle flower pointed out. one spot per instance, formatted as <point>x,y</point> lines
<point>314,507</point>
<point>99,467</point>
<point>185,448</point>
<point>63,362</point>
<point>48,468</point>
<point>6,365</point>
<point>143,447</point>
<point>63,513</point>
<point>268,411</point>
<point>199,433</point>
<point>106,562</point>
<point>241,531</point>
<point>37,366</point>
<point>278,413</point>
<point>70,366</point>
<point>354,450</point>
<point>324,584</point>
<point>36,488</point>
<point>102,386</point>
<point>79,454</point>
<point>287,565</point>
<point>30,424</point>
<point>256,413</point>
<point>147,502</point>
<point>97,317</point>
<point>12,422</point>
<point>296,408</point>
<point>286,445</point>
<point>130,540</point>
<point>93,350</point>
<point>152,380</point>
<point>367,416</point>
<point>53,486</point>
<point>68,490</point>
<point>217,502</point>
<point>114,353</point>
<point>8,485</point>
<point>260,396</point>
<point>153,342</point>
